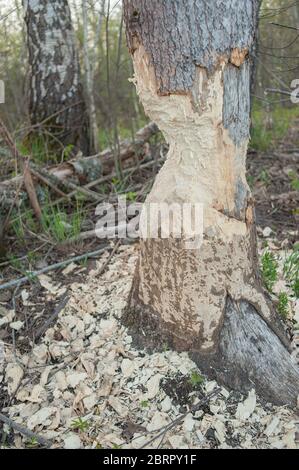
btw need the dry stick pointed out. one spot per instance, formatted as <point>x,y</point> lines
<point>53,317</point>
<point>280,92</point>
<point>128,171</point>
<point>106,232</point>
<point>83,190</point>
<point>162,431</point>
<point>109,258</point>
<point>30,188</point>
<point>48,182</point>
<point>128,150</point>
<point>99,181</point>
<point>21,429</point>
<point>23,280</point>
<point>284,26</point>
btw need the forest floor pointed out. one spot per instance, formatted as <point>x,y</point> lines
<point>70,375</point>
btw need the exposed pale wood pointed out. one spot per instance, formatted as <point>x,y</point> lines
<point>192,63</point>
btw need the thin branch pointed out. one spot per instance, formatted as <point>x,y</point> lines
<point>26,432</point>
<point>162,431</point>
<point>280,92</point>
<point>62,264</point>
<point>284,26</point>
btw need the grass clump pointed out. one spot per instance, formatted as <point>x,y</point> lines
<point>59,225</point>
<point>196,379</point>
<point>291,270</point>
<point>270,126</point>
<point>80,425</point>
<point>283,305</point>
<point>269,271</point>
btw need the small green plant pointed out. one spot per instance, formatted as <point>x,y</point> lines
<point>22,223</point>
<point>144,404</point>
<point>61,226</point>
<point>80,425</point>
<point>131,196</point>
<point>294,181</point>
<point>16,264</point>
<point>196,379</point>
<point>269,267</point>
<point>283,305</point>
<point>250,181</point>
<point>83,262</point>
<point>18,229</point>
<point>291,270</point>
<point>32,257</point>
<point>264,177</point>
<point>116,446</point>
<point>269,126</point>
<point>38,147</point>
<point>119,186</point>
<point>67,152</point>
<point>32,443</point>
<point>115,181</point>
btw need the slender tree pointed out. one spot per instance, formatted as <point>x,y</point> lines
<point>192,61</point>
<point>55,91</point>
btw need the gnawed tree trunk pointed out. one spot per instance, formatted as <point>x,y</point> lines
<point>192,62</point>
<point>55,91</point>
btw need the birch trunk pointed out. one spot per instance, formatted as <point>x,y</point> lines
<point>89,73</point>
<point>55,91</point>
<point>192,62</point>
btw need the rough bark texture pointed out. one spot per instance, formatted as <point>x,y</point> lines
<point>192,62</point>
<point>55,91</point>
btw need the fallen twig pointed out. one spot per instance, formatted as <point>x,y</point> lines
<point>81,167</point>
<point>279,92</point>
<point>52,318</point>
<point>30,188</point>
<point>26,432</point>
<point>83,190</point>
<point>32,274</point>
<point>162,431</point>
<point>284,26</point>
<point>109,258</point>
<point>38,175</point>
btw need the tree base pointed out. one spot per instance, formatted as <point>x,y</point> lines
<point>248,355</point>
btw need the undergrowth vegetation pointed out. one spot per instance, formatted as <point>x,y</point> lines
<point>289,273</point>
<point>270,125</point>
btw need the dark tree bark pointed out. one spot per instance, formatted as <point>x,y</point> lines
<point>192,61</point>
<point>55,91</point>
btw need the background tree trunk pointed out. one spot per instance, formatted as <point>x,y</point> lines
<point>192,62</point>
<point>55,91</point>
